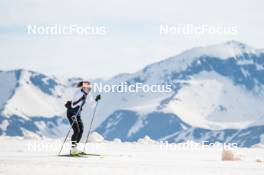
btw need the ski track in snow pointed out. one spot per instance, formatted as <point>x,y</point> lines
<point>124,158</point>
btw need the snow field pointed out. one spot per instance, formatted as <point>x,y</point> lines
<point>124,158</point>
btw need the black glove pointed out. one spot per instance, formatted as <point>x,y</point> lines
<point>98,97</point>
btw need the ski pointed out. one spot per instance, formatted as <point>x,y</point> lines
<point>91,154</point>
<point>69,155</point>
<point>82,154</point>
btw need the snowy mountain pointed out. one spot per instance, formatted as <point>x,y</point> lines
<point>217,95</point>
<point>30,103</point>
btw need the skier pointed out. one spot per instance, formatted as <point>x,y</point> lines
<point>74,109</point>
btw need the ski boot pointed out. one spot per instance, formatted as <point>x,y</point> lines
<point>74,151</point>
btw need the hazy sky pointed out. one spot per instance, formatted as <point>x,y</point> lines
<point>132,38</point>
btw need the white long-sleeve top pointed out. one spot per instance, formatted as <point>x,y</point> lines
<point>76,101</point>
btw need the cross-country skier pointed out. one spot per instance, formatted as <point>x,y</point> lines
<point>74,109</point>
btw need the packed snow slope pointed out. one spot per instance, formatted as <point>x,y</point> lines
<point>217,95</point>
<point>39,157</point>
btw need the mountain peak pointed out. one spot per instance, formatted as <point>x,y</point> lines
<point>236,45</point>
<point>224,50</point>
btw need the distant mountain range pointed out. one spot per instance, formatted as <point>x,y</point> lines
<point>217,96</point>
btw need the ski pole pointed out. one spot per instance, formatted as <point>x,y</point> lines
<point>90,127</point>
<point>75,120</point>
<point>66,138</point>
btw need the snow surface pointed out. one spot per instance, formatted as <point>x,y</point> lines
<point>38,157</point>
<point>29,100</point>
<point>224,50</point>
<point>210,100</point>
<point>7,86</point>
<point>95,137</point>
<point>153,73</point>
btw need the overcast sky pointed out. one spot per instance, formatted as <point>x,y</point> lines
<point>132,38</point>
